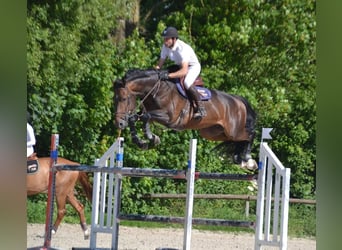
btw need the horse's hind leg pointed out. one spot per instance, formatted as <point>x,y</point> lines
<point>60,201</point>
<point>239,148</point>
<point>242,155</point>
<point>247,160</point>
<point>80,210</point>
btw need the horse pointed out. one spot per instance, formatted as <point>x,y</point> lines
<point>37,182</point>
<point>230,118</point>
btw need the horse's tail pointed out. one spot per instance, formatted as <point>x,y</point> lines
<point>86,185</point>
<point>251,117</point>
<point>229,148</point>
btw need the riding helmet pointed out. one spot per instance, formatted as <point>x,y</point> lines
<point>170,32</point>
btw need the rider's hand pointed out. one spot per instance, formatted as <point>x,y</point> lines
<point>163,75</point>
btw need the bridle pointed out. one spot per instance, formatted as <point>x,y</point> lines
<point>133,114</point>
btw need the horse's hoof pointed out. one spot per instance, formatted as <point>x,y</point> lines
<point>249,165</point>
<point>156,140</point>
<point>144,146</point>
<point>141,144</point>
<point>243,165</point>
<point>252,165</point>
<point>53,231</point>
<point>86,234</point>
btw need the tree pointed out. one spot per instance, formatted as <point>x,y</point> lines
<point>70,73</point>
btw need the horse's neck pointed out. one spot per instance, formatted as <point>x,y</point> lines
<point>166,87</point>
<point>162,96</point>
<point>144,88</point>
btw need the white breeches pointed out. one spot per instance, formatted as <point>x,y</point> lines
<point>30,150</point>
<point>193,73</point>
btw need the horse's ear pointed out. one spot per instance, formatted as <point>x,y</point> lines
<point>118,84</point>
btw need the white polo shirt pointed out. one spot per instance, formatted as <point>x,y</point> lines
<point>30,139</point>
<point>180,52</point>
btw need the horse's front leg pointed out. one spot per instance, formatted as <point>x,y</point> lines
<point>80,210</point>
<point>134,134</point>
<point>61,211</point>
<point>154,139</point>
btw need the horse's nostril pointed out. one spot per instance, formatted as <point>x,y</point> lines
<point>121,124</point>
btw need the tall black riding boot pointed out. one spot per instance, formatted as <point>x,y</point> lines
<point>199,110</point>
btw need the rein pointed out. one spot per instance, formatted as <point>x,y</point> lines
<point>155,88</point>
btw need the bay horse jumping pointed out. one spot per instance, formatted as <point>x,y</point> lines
<point>230,118</point>
<point>38,182</point>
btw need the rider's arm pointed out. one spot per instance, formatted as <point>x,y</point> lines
<point>182,72</point>
<point>160,63</point>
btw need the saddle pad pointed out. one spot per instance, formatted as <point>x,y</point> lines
<point>32,166</point>
<point>204,93</point>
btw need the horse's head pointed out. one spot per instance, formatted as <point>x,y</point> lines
<point>124,103</point>
<point>135,84</point>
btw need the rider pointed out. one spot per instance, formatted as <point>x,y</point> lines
<point>184,56</point>
<point>30,137</point>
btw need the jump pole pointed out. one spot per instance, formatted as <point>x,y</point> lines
<point>152,172</point>
<point>51,191</point>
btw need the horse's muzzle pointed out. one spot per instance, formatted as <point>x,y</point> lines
<point>121,123</point>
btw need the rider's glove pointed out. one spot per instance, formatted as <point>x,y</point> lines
<point>163,75</point>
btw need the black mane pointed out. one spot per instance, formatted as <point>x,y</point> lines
<point>133,74</point>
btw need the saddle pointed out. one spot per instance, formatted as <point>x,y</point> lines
<point>199,84</point>
<point>204,92</point>
<point>32,164</point>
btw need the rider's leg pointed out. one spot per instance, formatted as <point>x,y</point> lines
<point>199,110</point>
<point>192,93</point>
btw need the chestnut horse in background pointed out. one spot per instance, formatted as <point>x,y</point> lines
<point>230,118</point>
<point>65,187</point>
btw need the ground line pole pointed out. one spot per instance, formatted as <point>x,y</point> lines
<point>51,191</point>
<point>190,177</point>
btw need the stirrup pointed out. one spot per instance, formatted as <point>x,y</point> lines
<point>199,113</point>
<point>197,116</point>
<point>202,110</point>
